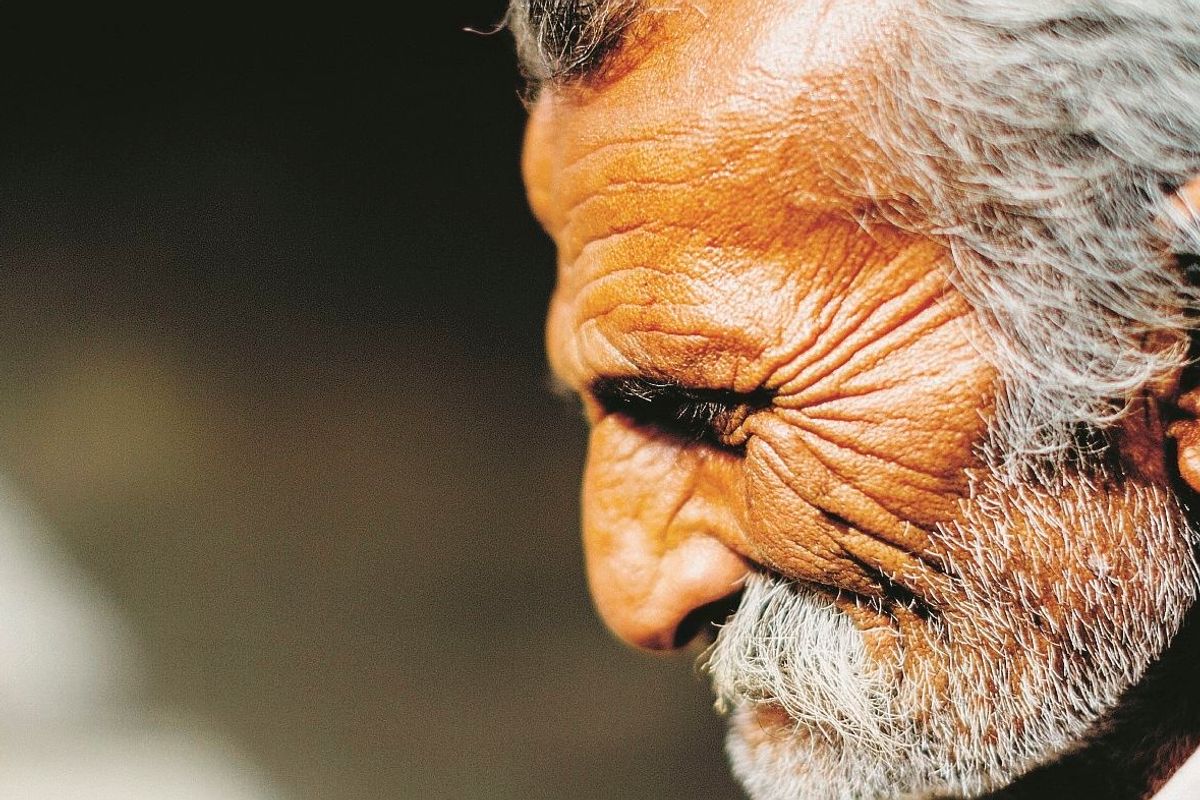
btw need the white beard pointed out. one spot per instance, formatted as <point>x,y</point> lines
<point>791,647</point>
<point>1022,666</point>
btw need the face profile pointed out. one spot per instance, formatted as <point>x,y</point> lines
<point>879,319</point>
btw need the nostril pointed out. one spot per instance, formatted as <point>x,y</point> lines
<point>704,619</point>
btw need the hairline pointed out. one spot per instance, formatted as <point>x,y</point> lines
<point>564,41</point>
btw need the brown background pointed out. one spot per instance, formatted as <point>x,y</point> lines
<point>271,371</point>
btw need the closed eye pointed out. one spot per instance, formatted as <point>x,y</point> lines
<point>710,416</point>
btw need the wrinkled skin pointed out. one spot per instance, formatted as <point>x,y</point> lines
<point>702,243</point>
<point>706,245</point>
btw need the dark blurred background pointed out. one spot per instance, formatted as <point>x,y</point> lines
<point>271,374</point>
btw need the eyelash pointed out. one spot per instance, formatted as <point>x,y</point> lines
<point>705,416</point>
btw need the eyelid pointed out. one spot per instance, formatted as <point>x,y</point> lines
<point>711,416</point>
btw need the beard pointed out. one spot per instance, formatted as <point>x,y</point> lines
<point>1068,580</point>
<point>1065,592</point>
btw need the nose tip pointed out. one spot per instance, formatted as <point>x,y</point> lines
<point>661,601</point>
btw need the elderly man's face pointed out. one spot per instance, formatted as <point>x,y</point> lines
<point>788,397</point>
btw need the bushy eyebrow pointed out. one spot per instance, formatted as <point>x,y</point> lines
<point>561,40</point>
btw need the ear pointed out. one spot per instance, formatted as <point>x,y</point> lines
<point>1186,202</point>
<point>1141,435</point>
<point>1186,433</point>
<point>1185,430</point>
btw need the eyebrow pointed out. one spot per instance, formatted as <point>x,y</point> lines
<point>564,40</point>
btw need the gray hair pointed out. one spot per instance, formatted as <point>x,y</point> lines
<point>560,40</point>
<point>1042,139</point>
<point>1050,135</point>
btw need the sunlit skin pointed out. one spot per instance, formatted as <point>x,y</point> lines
<point>705,246</point>
<point>701,244</point>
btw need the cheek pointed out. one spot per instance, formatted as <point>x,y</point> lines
<point>786,530</point>
<point>876,449</point>
<point>1076,556</point>
<point>1069,587</point>
<point>813,493</point>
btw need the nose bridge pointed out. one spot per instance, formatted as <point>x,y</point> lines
<point>656,534</point>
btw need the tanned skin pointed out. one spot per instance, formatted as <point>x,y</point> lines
<point>777,377</point>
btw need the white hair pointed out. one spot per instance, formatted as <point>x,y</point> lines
<point>1042,140</point>
<point>1046,137</point>
<point>789,647</point>
<point>564,39</point>
<point>1022,665</point>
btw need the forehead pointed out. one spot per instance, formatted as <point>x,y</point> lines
<point>572,38</point>
<point>578,41</point>
<point>718,153</point>
<point>741,76</point>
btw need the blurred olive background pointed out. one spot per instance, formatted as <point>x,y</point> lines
<point>271,372</point>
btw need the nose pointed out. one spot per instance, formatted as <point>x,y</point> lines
<point>657,566</point>
<point>660,602</point>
